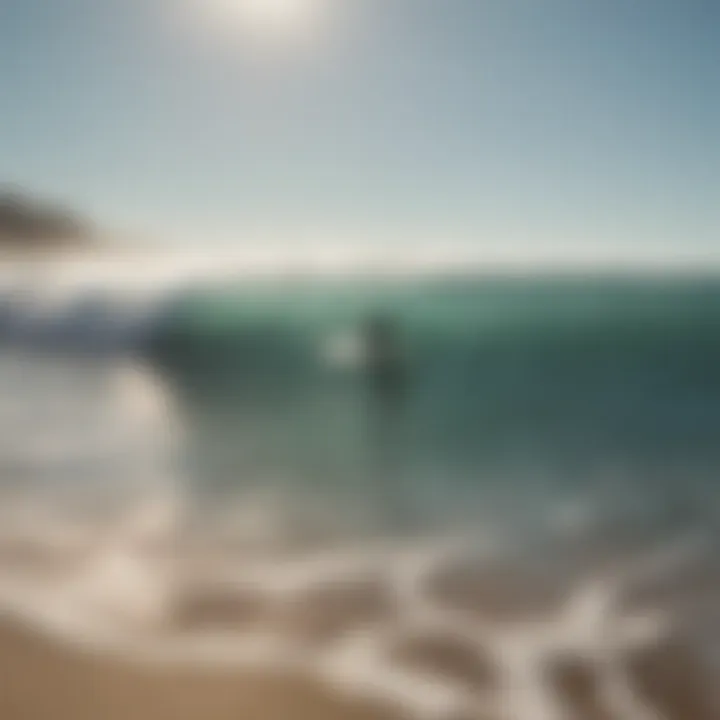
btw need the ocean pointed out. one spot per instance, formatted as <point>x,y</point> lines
<point>208,477</point>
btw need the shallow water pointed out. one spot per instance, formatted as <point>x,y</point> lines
<point>217,499</point>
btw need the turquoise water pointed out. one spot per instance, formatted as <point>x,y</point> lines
<point>522,391</point>
<point>548,483</point>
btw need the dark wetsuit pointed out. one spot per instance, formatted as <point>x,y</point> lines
<point>387,387</point>
<point>386,371</point>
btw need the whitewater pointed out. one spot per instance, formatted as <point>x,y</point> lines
<point>183,484</point>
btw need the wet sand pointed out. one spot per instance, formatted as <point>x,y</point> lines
<point>43,681</point>
<point>491,628</point>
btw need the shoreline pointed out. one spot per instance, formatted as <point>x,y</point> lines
<point>54,678</point>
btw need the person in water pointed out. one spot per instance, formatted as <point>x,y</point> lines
<point>387,387</point>
<point>385,362</point>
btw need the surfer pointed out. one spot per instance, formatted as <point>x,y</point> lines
<point>386,376</point>
<point>385,364</point>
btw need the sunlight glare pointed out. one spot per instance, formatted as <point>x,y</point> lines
<point>270,17</point>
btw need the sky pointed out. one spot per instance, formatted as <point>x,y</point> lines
<point>515,124</point>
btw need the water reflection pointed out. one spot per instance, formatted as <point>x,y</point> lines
<point>85,426</point>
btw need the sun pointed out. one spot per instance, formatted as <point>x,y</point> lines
<point>269,17</point>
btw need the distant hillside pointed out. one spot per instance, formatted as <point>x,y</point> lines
<point>30,224</point>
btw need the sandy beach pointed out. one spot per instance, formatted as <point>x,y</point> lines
<point>42,681</point>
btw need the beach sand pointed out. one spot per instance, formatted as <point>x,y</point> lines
<point>43,681</point>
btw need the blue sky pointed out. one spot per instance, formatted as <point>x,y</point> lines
<point>505,122</point>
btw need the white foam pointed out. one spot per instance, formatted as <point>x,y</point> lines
<point>120,602</point>
<point>346,350</point>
